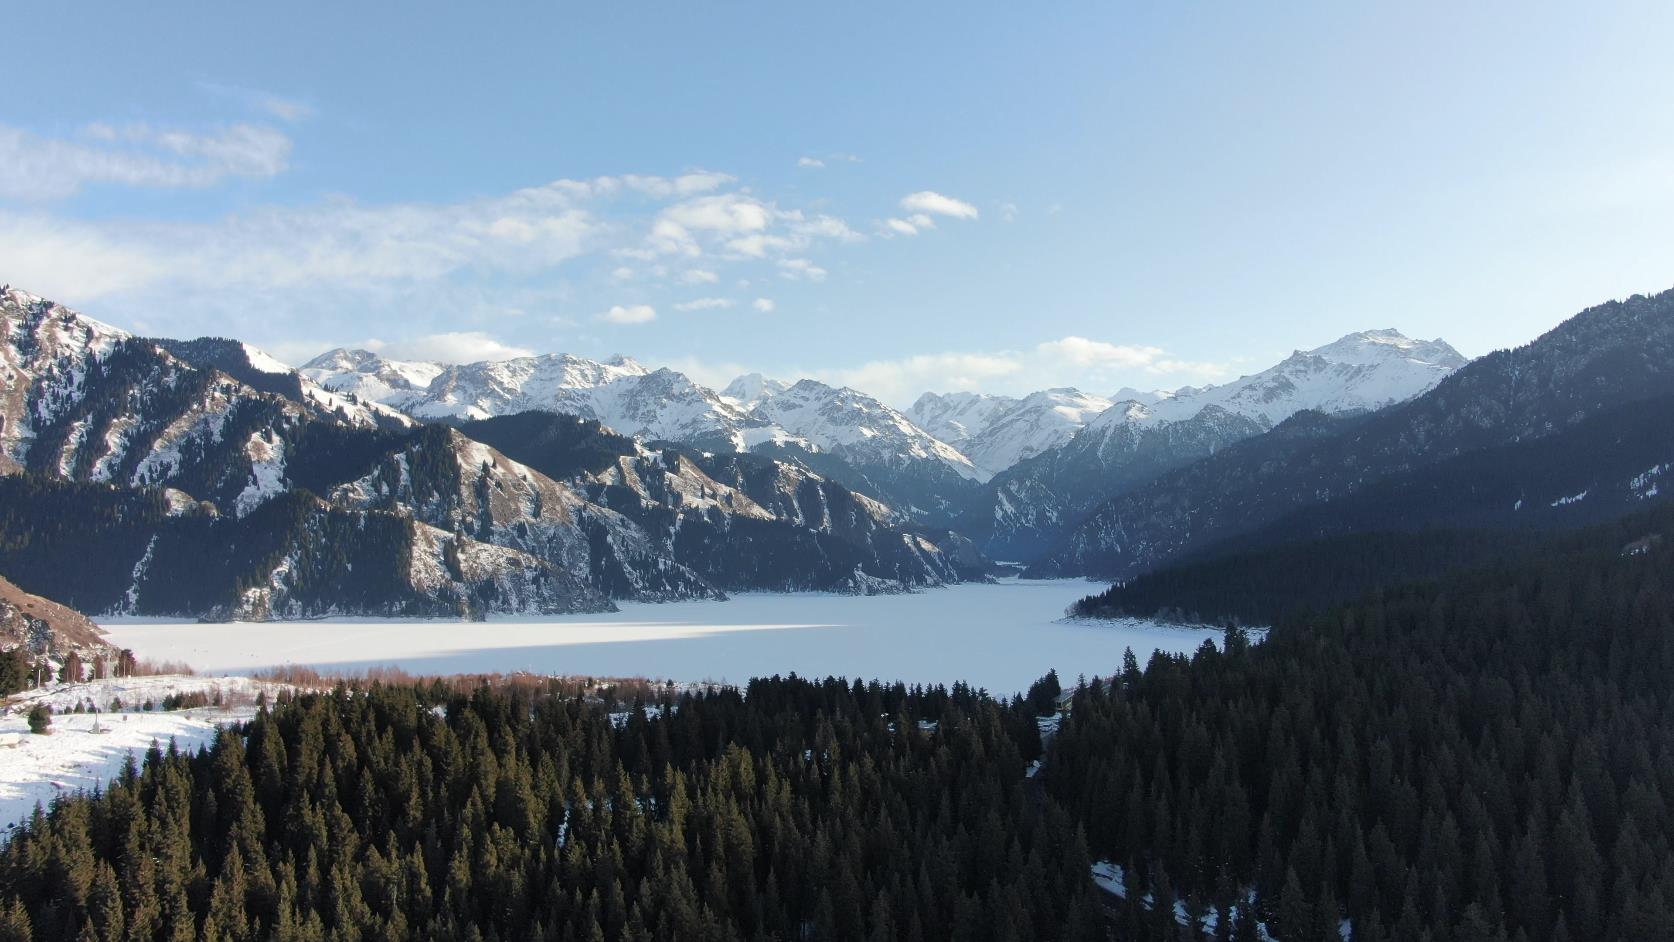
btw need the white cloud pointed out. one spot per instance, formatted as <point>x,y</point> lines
<point>820,226</point>
<point>801,268</point>
<point>933,203</point>
<point>42,168</point>
<point>714,375</point>
<point>912,225</point>
<point>72,262</point>
<point>741,226</point>
<point>1093,365</point>
<point>728,212</point>
<point>819,162</point>
<point>630,314</point>
<point>760,244</point>
<point>1081,352</point>
<point>285,109</point>
<point>764,305</point>
<point>468,346</point>
<point>903,380</point>
<point>690,184</point>
<point>362,248</point>
<point>1008,212</point>
<point>422,266</point>
<point>703,304</point>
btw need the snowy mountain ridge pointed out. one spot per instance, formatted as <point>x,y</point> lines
<point>1364,370</point>
<point>997,432</point>
<point>1138,438</point>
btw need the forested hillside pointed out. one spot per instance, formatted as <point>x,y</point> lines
<point>1486,757</point>
<point>792,810</point>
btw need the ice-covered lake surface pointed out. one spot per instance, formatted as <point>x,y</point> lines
<point>1000,637</point>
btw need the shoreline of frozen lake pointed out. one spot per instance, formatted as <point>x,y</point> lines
<point>997,636</point>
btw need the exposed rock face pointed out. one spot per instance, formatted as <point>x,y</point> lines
<point>46,628</point>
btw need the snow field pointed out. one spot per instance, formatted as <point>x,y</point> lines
<point>74,757</point>
<point>999,637</point>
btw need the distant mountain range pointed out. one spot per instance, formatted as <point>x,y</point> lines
<point>1032,505</point>
<point>203,478</point>
<point>555,483</point>
<point>1521,437</point>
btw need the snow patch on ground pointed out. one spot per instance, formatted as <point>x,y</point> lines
<point>1646,485</point>
<point>260,360</point>
<point>267,472</point>
<point>74,757</point>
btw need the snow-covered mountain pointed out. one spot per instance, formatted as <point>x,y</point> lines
<point>1576,415</point>
<point>749,390</point>
<point>652,405</point>
<point>1029,504</point>
<point>372,378</point>
<point>958,417</point>
<point>996,432</point>
<point>845,434</point>
<point>858,428</point>
<point>202,477</point>
<point>1361,371</point>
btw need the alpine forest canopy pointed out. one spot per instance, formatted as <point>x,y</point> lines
<point>789,810</point>
<point>1485,757</point>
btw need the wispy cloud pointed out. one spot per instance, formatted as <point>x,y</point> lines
<point>739,225</point>
<point>819,163</point>
<point>801,268</point>
<point>764,305</point>
<point>36,168</point>
<point>364,248</point>
<point>285,109</point>
<point>1095,365</point>
<point>469,346</point>
<point>935,204</point>
<point>630,314</point>
<point>704,304</point>
<point>922,208</point>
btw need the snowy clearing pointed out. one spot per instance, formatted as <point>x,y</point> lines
<point>74,757</point>
<point>1001,637</point>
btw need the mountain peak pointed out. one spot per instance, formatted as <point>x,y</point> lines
<point>751,389</point>
<point>340,358</point>
<point>1367,346</point>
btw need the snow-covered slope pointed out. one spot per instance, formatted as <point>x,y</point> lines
<point>45,351</point>
<point>371,378</point>
<point>749,390</point>
<point>260,371</point>
<point>858,428</point>
<point>997,432</point>
<point>1365,370</point>
<point>957,417</point>
<point>1472,443</point>
<point>1134,441</point>
<point>88,750</point>
<point>618,392</point>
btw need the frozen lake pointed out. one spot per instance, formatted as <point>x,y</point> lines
<point>1001,637</point>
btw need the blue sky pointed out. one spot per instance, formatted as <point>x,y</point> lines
<point>899,196</point>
